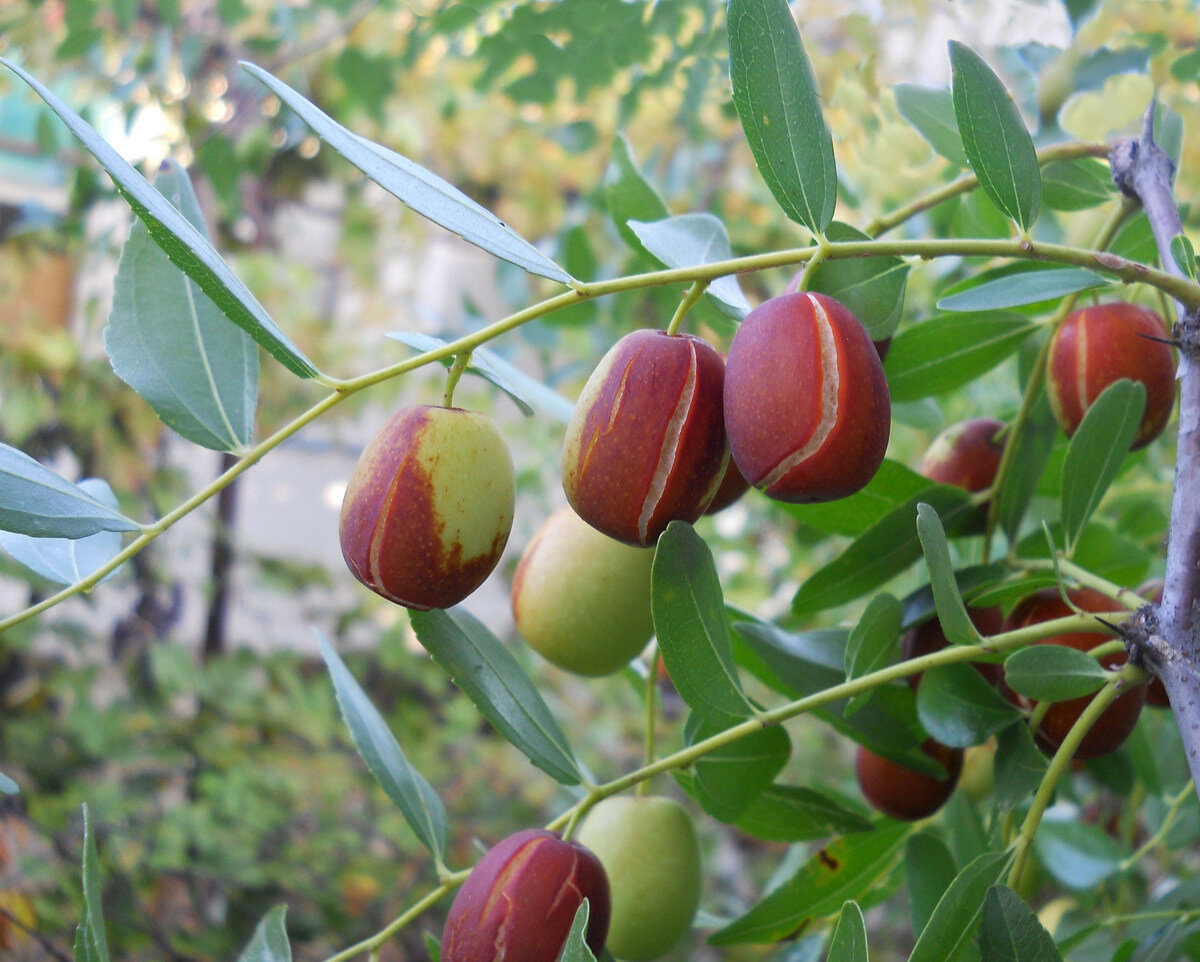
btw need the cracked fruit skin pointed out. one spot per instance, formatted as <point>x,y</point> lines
<point>429,506</point>
<point>519,901</point>
<point>965,455</point>
<point>649,849</point>
<point>902,793</point>
<point>646,444</point>
<point>1118,720</point>
<point>581,599</point>
<point>1097,346</point>
<point>807,407</point>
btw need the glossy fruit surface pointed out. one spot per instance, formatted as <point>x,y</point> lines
<point>581,599</point>
<point>429,506</point>
<point>733,485</point>
<point>520,900</point>
<point>1118,720</point>
<point>1096,346</point>
<point>928,637</point>
<point>807,408</point>
<point>646,442</point>
<point>902,793</point>
<point>965,455</point>
<point>1156,692</point>
<point>649,849</point>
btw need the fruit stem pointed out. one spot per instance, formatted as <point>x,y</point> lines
<point>1085,578</point>
<point>688,301</point>
<point>1060,763</point>
<point>811,267</point>
<point>461,362</point>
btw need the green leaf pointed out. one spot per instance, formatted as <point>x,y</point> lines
<point>952,927</point>
<point>789,813</point>
<point>931,111</point>
<point>872,643</point>
<point>1079,856</point>
<point>169,342</point>
<point>1096,451</point>
<point>959,708</point>
<point>847,868</point>
<point>1011,932</point>
<point>943,354</point>
<point>37,502</point>
<point>777,100</point>
<point>692,630</point>
<point>526,392</point>
<point>894,483</point>
<point>479,664</point>
<point>1018,288</point>
<point>8,786</point>
<point>883,551</point>
<point>1079,10</point>
<point>575,949</point>
<point>929,868</point>
<point>871,287</point>
<point>730,778</point>
<point>423,191</point>
<point>1019,766</point>
<point>849,941</point>
<point>952,613</point>
<point>404,785</point>
<point>1053,673</point>
<point>692,240</point>
<point>1184,255</point>
<point>185,245</point>
<point>433,946</point>
<point>1077,184</point>
<point>628,194</point>
<point>1186,66</point>
<point>998,147</point>
<point>91,941</point>
<point>67,560</point>
<point>269,942</point>
<point>1033,445</point>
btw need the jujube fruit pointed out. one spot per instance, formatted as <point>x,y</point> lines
<point>902,793</point>
<point>581,599</point>
<point>928,637</point>
<point>1118,720</point>
<point>965,455</point>
<point>1097,346</point>
<point>807,408</point>
<point>519,901</point>
<point>646,444</point>
<point>429,506</point>
<point>733,485</point>
<point>649,849</point>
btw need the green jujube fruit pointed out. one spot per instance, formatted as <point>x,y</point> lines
<point>582,600</point>
<point>649,850</point>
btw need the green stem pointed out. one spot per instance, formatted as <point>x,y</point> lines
<point>1159,837</point>
<point>694,293</point>
<point>1059,765</point>
<point>452,378</point>
<point>1119,593</point>
<point>811,267</point>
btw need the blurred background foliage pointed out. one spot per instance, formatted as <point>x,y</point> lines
<point>225,784</point>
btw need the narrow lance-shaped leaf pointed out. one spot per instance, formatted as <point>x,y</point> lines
<point>872,644</point>
<point>269,942</point>
<point>931,111</point>
<point>692,240</point>
<point>849,941</point>
<point>479,664</point>
<point>404,785</point>
<point>1019,288</point>
<point>994,137</point>
<point>36,501</point>
<point>951,612</point>
<point>1096,451</point>
<point>91,940</point>
<point>693,632</point>
<point>789,813</point>
<point>185,245</point>
<point>956,919</point>
<point>1033,445</point>
<point>929,870</point>
<point>1011,931</point>
<point>775,93</point>
<point>422,190</point>
<point>170,343</point>
<point>67,560</point>
<point>575,949</point>
<point>628,194</point>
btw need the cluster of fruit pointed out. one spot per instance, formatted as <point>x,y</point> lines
<point>667,429</point>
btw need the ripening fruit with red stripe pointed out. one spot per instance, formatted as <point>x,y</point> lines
<point>1097,346</point>
<point>807,408</point>
<point>519,901</point>
<point>902,793</point>
<point>429,507</point>
<point>646,445</point>
<point>966,454</point>
<point>1118,720</point>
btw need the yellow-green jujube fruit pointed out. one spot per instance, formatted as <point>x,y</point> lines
<point>581,599</point>
<point>649,850</point>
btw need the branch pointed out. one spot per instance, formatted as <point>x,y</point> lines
<point>1166,639</point>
